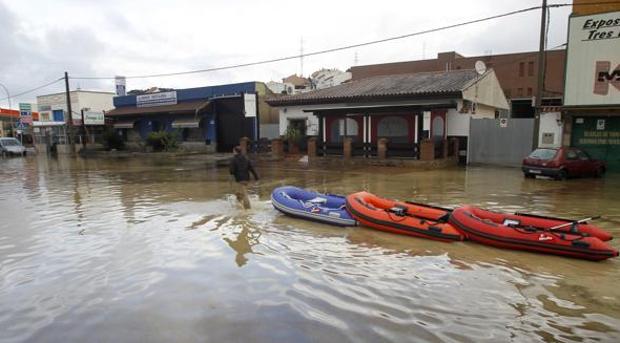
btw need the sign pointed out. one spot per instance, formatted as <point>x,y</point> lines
<point>600,125</point>
<point>94,118</point>
<point>26,119</point>
<point>156,99</point>
<point>120,82</point>
<point>593,60</point>
<point>503,122</point>
<point>249,104</point>
<point>23,107</point>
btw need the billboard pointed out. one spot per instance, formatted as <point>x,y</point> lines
<point>94,118</point>
<point>593,60</point>
<point>249,104</point>
<point>156,99</point>
<point>120,82</point>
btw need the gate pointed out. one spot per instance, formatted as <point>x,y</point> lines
<point>500,141</point>
<point>599,137</point>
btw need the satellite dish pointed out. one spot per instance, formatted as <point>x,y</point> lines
<point>481,68</point>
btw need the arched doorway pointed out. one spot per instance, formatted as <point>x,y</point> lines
<point>337,131</point>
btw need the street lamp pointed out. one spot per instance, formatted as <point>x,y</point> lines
<point>8,95</point>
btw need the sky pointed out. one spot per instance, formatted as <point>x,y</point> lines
<point>40,39</point>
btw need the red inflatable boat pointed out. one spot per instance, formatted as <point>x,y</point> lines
<point>526,219</point>
<point>402,218</point>
<point>527,233</point>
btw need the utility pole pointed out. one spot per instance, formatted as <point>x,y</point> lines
<point>70,116</point>
<point>541,74</point>
<point>301,55</point>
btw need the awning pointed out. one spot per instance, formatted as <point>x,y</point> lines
<point>47,123</point>
<point>128,124</point>
<point>183,107</point>
<point>186,123</point>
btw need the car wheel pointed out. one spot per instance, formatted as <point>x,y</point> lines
<point>600,172</point>
<point>562,175</point>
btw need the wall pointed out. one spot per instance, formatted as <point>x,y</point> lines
<point>580,9</point>
<point>458,123</point>
<point>296,112</point>
<point>489,143</point>
<point>549,124</point>
<point>97,102</point>
<point>487,91</point>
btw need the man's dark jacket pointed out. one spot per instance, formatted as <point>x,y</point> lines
<point>241,167</point>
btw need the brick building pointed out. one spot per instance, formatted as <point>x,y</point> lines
<point>516,73</point>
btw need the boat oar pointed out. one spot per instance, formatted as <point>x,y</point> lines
<point>580,221</point>
<point>429,206</point>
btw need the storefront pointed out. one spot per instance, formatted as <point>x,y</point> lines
<point>207,118</point>
<point>592,87</point>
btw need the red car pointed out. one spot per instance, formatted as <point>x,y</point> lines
<point>561,163</point>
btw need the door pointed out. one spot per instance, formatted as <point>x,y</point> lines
<point>599,137</point>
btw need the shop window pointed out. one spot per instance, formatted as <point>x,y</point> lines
<point>396,129</point>
<point>522,69</point>
<point>530,68</point>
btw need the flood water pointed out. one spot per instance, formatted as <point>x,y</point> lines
<point>153,249</point>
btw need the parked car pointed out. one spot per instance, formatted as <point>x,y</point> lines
<point>561,163</point>
<point>11,146</point>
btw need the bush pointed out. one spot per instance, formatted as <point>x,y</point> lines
<point>163,141</point>
<point>112,140</point>
<point>293,135</point>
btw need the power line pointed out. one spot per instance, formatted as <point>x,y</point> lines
<point>320,52</point>
<point>34,89</point>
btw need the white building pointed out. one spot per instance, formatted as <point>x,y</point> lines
<point>325,78</point>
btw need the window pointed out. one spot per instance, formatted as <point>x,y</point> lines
<point>571,155</point>
<point>521,69</point>
<point>543,154</point>
<point>59,115</point>
<point>530,68</point>
<point>529,91</point>
<point>337,130</point>
<point>396,129</point>
<point>582,155</point>
<point>520,92</point>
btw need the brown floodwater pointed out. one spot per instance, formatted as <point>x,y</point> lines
<point>154,249</point>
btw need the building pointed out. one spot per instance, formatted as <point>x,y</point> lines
<point>404,108</point>
<point>210,118</point>
<point>300,84</point>
<point>280,87</point>
<point>9,119</point>
<point>51,128</point>
<point>516,73</point>
<point>325,78</point>
<point>592,89</point>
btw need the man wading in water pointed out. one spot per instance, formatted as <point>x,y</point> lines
<point>241,167</point>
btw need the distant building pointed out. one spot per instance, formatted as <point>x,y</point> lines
<point>8,120</point>
<point>212,118</point>
<point>516,73</point>
<point>281,87</point>
<point>325,78</point>
<point>300,83</point>
<point>51,128</point>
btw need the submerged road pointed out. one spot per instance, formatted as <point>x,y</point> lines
<point>155,250</point>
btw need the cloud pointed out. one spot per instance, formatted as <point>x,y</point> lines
<point>143,37</point>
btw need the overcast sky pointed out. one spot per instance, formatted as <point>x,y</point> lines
<point>41,39</point>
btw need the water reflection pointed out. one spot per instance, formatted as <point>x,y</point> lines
<point>151,249</point>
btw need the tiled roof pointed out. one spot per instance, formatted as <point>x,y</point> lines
<point>386,86</point>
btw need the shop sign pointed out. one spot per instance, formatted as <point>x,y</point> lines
<point>94,118</point>
<point>249,104</point>
<point>503,122</point>
<point>120,82</point>
<point>593,60</point>
<point>600,124</point>
<point>156,99</point>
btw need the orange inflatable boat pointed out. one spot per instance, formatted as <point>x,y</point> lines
<point>403,218</point>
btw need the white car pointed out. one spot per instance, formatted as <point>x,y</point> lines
<point>11,146</point>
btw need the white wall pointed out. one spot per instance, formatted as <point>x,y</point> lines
<point>549,124</point>
<point>297,112</point>
<point>97,102</point>
<point>458,123</point>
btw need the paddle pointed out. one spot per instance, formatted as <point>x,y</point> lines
<point>430,206</point>
<point>580,221</point>
<point>402,212</point>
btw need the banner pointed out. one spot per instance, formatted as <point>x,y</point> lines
<point>156,99</point>
<point>249,104</point>
<point>94,118</point>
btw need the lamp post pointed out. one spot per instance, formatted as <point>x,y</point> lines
<point>8,95</point>
<point>84,132</point>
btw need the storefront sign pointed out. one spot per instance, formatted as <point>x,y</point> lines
<point>600,138</point>
<point>503,122</point>
<point>593,60</point>
<point>156,99</point>
<point>94,118</point>
<point>249,104</point>
<point>120,85</point>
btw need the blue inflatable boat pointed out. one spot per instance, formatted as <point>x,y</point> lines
<point>324,208</point>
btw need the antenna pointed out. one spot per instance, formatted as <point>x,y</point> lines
<point>301,55</point>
